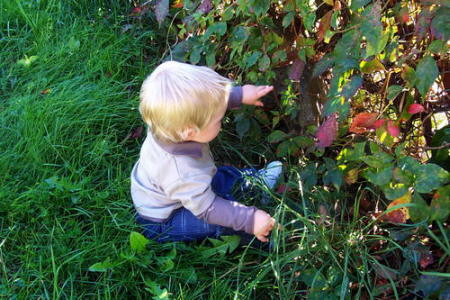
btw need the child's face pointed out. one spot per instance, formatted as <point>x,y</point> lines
<point>210,132</point>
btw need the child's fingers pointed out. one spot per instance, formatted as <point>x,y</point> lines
<point>264,90</point>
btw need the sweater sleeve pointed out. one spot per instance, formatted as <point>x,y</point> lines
<point>235,98</point>
<point>230,214</point>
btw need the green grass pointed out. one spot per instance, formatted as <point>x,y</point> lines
<point>69,91</point>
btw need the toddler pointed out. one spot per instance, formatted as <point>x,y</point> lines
<point>178,192</point>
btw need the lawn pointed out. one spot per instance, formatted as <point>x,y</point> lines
<point>70,73</point>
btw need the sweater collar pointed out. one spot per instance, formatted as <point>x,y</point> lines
<point>193,149</point>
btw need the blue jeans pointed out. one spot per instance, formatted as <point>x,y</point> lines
<point>182,225</point>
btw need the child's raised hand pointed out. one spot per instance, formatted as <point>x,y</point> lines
<point>251,93</point>
<point>263,225</point>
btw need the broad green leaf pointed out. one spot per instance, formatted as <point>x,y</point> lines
<point>441,157</point>
<point>409,75</point>
<point>381,177</point>
<point>440,26</point>
<point>138,242</point>
<point>194,57</point>
<point>101,266</point>
<point>211,58</point>
<point>378,160</point>
<point>253,58</point>
<point>438,47</point>
<point>430,177</point>
<point>338,105</point>
<point>393,191</point>
<point>264,63</point>
<point>352,87</point>
<point>428,71</point>
<point>393,91</point>
<point>240,35</point>
<point>322,65</point>
<point>259,7</point>
<point>440,204</point>
<point>420,210</point>
<point>334,177</point>
<point>277,136</point>
<point>428,285</point>
<point>219,28</point>
<point>156,291</point>
<point>356,4</point>
<point>232,242</point>
<point>303,141</point>
<point>242,125</point>
<point>372,29</point>
<point>279,56</point>
<point>288,19</point>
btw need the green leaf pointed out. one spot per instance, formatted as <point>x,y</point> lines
<point>288,19</point>
<point>440,204</point>
<point>356,4</point>
<point>393,91</point>
<point>394,191</point>
<point>430,177</point>
<point>253,58</point>
<point>378,160</point>
<point>138,242</point>
<point>372,29</point>
<point>352,86</point>
<point>428,71</point>
<point>322,65</point>
<point>242,125</point>
<point>339,105</point>
<point>156,291</point>
<point>279,56</point>
<point>220,28</point>
<point>259,7</point>
<point>277,136</point>
<point>194,57</point>
<point>440,26</point>
<point>334,177</point>
<point>303,141</point>
<point>381,177</point>
<point>420,210</point>
<point>101,266</point>
<point>438,47</point>
<point>264,63</point>
<point>211,58</point>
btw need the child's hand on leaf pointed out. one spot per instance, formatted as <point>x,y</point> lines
<point>263,225</point>
<point>252,93</point>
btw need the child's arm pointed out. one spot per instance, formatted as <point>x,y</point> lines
<point>247,94</point>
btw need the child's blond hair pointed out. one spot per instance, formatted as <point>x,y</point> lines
<point>177,97</point>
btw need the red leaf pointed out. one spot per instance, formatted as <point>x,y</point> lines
<point>403,15</point>
<point>379,123</point>
<point>415,108</point>
<point>178,4</point>
<point>296,70</point>
<point>136,11</point>
<point>362,122</point>
<point>327,132</point>
<point>426,259</point>
<point>45,92</point>
<point>137,132</point>
<point>393,129</point>
<point>324,25</point>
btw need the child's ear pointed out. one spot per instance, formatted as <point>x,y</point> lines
<point>189,133</point>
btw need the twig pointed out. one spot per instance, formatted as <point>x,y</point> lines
<point>438,147</point>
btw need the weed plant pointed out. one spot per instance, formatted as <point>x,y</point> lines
<point>69,87</point>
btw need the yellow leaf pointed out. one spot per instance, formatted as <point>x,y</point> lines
<point>351,176</point>
<point>374,65</point>
<point>399,215</point>
<point>329,2</point>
